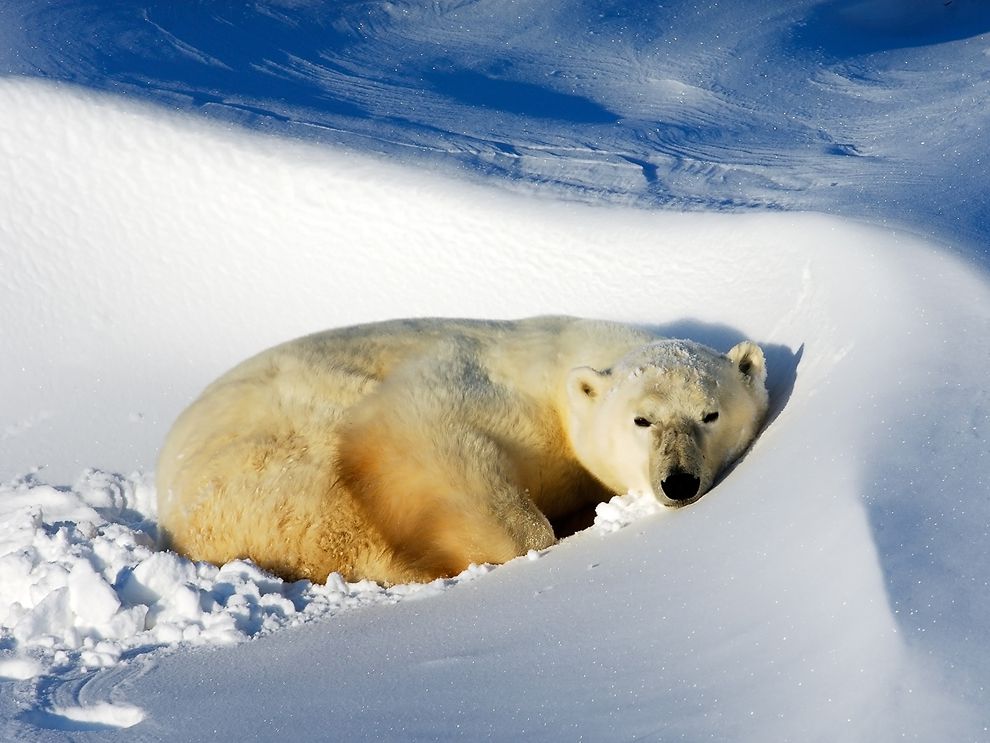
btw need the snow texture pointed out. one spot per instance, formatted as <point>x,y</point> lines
<point>834,586</point>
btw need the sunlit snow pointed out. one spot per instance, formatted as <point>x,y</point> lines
<point>183,187</point>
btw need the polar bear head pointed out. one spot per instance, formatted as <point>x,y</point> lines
<point>668,417</point>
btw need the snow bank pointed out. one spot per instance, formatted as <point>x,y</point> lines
<point>829,588</point>
<point>869,108</point>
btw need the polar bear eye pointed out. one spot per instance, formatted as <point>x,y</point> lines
<point>642,422</point>
<point>710,418</point>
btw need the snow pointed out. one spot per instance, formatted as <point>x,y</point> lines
<point>834,586</point>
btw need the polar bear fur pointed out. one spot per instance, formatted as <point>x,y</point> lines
<point>404,451</point>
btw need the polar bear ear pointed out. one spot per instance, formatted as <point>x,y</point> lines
<point>748,358</point>
<point>585,384</point>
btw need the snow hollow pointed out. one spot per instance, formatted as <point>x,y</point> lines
<point>834,587</point>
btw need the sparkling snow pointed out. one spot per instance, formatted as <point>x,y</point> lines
<point>835,585</point>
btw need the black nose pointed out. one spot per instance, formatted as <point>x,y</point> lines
<point>680,485</point>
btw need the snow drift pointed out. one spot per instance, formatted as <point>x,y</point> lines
<point>833,587</point>
<point>865,108</point>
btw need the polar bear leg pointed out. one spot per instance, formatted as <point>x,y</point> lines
<point>441,502</point>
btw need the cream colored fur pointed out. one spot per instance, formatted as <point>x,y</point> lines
<point>404,451</point>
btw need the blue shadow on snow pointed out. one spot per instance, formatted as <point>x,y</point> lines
<point>526,99</point>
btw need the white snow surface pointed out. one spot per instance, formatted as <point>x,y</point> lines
<point>834,587</point>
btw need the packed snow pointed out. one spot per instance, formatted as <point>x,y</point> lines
<point>834,586</point>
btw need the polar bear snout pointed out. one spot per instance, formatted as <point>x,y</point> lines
<point>680,486</point>
<point>677,463</point>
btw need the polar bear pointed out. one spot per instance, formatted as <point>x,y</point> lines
<point>404,451</point>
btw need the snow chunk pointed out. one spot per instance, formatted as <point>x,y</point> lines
<point>111,715</point>
<point>622,510</point>
<point>20,669</point>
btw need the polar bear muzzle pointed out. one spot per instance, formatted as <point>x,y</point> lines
<point>680,486</point>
